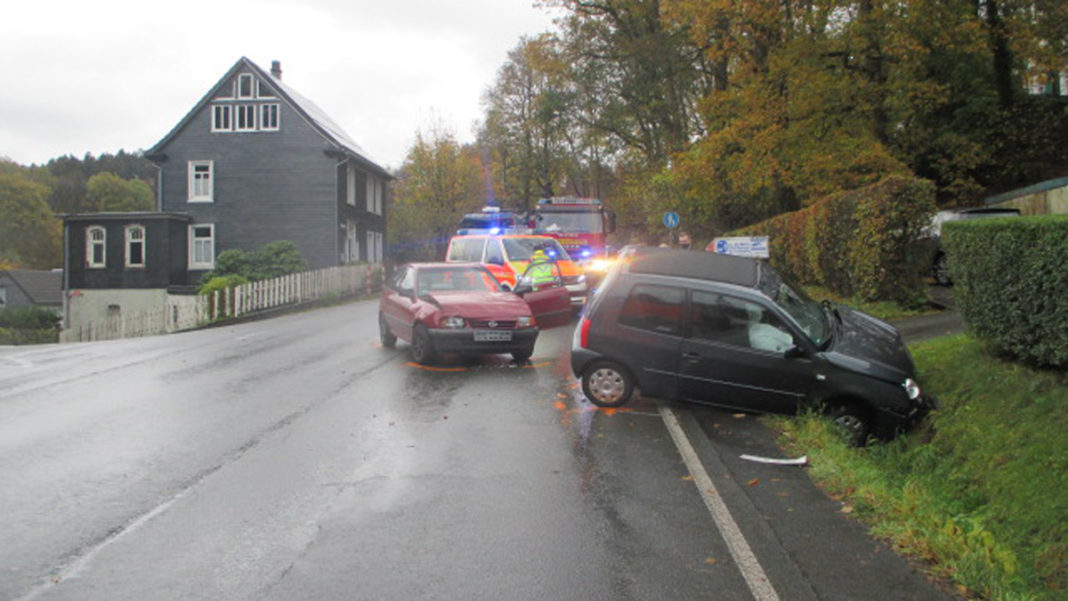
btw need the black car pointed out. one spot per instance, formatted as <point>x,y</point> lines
<point>730,331</point>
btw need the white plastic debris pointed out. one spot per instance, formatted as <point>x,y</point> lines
<point>803,460</point>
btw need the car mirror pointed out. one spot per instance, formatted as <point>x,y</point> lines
<point>794,352</point>
<point>522,288</point>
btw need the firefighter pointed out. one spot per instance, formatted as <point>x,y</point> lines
<point>540,271</point>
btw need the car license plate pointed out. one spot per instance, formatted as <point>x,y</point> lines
<point>493,335</point>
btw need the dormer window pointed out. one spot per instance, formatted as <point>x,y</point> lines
<point>245,82</point>
<point>263,90</point>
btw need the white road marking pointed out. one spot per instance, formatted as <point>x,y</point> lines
<point>743,556</point>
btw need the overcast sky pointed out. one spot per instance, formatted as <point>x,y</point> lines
<point>98,76</point>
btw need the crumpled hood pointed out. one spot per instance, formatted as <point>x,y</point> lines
<point>489,305</point>
<point>869,345</point>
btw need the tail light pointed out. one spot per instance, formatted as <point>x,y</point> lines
<point>584,332</point>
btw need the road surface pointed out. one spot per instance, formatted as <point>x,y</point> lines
<point>294,458</point>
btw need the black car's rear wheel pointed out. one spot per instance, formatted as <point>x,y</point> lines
<point>387,337</point>
<point>422,348</point>
<point>523,355</point>
<point>607,384</point>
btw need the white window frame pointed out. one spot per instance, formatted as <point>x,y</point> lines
<point>379,254</point>
<point>352,241</point>
<point>222,110</point>
<point>270,116</point>
<point>130,230</point>
<point>370,193</point>
<point>350,185</point>
<point>193,245</point>
<point>251,86</point>
<point>90,243</point>
<point>193,181</point>
<point>370,247</point>
<point>380,190</point>
<point>246,113</point>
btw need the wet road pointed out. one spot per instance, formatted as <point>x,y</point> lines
<point>293,458</point>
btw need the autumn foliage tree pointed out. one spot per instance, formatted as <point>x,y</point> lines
<point>439,181</point>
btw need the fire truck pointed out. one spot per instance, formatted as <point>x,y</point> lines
<point>581,225</point>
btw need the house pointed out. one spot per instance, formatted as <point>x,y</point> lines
<point>25,287</point>
<point>252,162</point>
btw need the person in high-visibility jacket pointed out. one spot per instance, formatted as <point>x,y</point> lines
<point>541,272</point>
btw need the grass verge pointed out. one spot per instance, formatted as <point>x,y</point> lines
<point>885,310</point>
<point>979,492</point>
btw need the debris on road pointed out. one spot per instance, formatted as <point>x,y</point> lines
<point>800,461</point>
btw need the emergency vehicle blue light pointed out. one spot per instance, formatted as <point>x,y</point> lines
<point>586,253</point>
<point>495,231</point>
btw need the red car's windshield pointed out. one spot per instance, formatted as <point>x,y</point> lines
<point>438,279</point>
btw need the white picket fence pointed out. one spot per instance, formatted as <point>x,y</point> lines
<point>185,312</point>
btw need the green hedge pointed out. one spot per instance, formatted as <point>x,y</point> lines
<point>860,242</point>
<point>28,325</point>
<point>1011,283</point>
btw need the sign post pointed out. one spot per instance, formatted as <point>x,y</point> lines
<point>671,221</point>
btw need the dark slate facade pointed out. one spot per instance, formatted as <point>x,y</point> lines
<point>255,162</point>
<point>163,254</point>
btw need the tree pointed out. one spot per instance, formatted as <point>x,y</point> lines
<point>107,192</point>
<point>439,181</point>
<point>29,231</point>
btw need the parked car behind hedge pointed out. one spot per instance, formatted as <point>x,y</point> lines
<point>935,257</point>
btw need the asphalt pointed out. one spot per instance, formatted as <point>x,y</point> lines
<point>947,320</point>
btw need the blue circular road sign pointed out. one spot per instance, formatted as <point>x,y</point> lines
<point>671,219</point>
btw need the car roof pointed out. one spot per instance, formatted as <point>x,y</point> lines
<point>503,236</point>
<point>694,264</point>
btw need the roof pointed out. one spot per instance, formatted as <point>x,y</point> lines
<point>695,264</point>
<point>125,216</point>
<point>1045,186</point>
<point>315,116</point>
<point>42,287</point>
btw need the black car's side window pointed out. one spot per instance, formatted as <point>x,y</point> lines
<point>737,322</point>
<point>656,308</point>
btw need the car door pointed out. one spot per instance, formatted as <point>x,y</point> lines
<point>550,302</point>
<point>734,355</point>
<point>640,326</point>
<point>398,302</point>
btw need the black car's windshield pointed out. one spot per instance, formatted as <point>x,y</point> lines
<point>444,279</point>
<point>806,312</point>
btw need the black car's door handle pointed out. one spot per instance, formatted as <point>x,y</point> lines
<point>692,356</point>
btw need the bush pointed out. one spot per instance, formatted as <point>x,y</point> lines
<point>28,318</point>
<point>860,242</point>
<point>274,259</point>
<point>222,282</point>
<point>28,325</point>
<point>1011,283</point>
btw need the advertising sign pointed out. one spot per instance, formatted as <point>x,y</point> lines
<point>741,246</point>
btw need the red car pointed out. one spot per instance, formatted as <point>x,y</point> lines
<point>461,308</point>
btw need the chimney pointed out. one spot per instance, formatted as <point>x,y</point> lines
<point>276,70</point>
